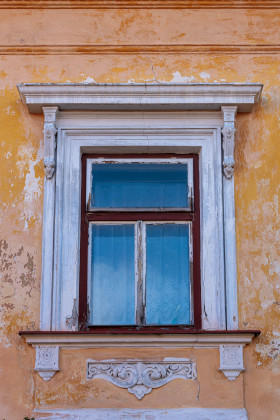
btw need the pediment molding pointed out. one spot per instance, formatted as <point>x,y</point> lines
<point>140,96</point>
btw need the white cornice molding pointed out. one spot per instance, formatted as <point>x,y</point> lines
<point>141,96</point>
<point>76,341</point>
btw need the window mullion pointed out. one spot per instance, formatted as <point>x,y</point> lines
<point>140,266</point>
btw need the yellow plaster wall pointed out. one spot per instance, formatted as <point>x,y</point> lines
<point>70,386</point>
<point>45,45</point>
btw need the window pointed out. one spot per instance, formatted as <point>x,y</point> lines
<point>140,242</point>
<point>185,119</point>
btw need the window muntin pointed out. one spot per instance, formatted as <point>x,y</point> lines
<point>184,309</point>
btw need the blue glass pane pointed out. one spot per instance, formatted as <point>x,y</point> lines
<point>112,275</point>
<point>139,185</point>
<point>168,274</point>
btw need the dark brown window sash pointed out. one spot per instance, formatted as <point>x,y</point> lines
<point>119,216</point>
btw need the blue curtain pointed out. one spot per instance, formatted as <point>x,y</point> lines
<point>139,185</point>
<point>168,274</point>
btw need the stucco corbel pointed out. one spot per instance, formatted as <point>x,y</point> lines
<point>228,131</point>
<point>231,360</point>
<point>50,114</point>
<point>46,364</point>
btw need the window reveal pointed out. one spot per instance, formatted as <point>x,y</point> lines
<point>139,217</point>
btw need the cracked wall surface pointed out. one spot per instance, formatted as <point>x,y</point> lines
<point>46,45</point>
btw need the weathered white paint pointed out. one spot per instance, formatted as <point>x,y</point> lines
<point>138,133</point>
<point>228,131</point>
<point>50,114</point>
<point>76,341</point>
<point>140,96</point>
<point>128,414</point>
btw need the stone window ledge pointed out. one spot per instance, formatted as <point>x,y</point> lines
<point>181,339</point>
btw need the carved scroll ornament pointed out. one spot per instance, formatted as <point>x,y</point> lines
<point>50,145</point>
<point>49,130</point>
<point>228,146</point>
<point>231,360</point>
<point>49,166</point>
<point>228,132</point>
<point>140,377</point>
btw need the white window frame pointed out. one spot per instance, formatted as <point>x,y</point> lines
<point>72,143</point>
<point>110,126</point>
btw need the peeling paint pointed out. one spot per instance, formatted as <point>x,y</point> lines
<point>257,191</point>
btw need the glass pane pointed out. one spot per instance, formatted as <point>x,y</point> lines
<point>112,275</point>
<point>168,274</point>
<point>139,185</point>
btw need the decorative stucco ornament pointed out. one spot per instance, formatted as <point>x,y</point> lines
<point>231,360</point>
<point>49,130</point>
<point>141,377</point>
<point>46,363</point>
<point>49,166</point>
<point>50,146</point>
<point>228,132</point>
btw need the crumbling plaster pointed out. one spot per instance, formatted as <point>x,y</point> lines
<point>257,174</point>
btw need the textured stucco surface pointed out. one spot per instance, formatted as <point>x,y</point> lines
<point>257,175</point>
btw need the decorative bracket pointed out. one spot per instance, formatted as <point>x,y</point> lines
<point>49,131</point>
<point>231,360</point>
<point>141,377</point>
<point>228,132</point>
<point>47,361</point>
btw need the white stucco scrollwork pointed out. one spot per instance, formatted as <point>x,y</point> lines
<point>46,363</point>
<point>50,146</point>
<point>228,132</point>
<point>141,377</point>
<point>231,360</point>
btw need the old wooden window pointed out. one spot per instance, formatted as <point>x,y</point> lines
<point>140,242</point>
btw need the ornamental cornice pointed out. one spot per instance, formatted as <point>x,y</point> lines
<point>140,96</point>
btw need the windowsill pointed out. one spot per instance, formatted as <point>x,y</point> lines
<point>177,339</point>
